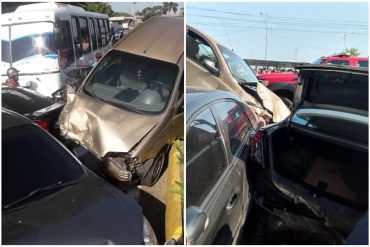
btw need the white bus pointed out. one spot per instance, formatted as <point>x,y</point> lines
<point>45,40</point>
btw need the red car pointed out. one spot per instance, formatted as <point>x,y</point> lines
<point>282,84</point>
<point>345,60</point>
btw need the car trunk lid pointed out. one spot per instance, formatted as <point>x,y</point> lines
<point>333,87</point>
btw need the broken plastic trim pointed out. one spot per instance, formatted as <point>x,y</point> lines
<point>121,166</point>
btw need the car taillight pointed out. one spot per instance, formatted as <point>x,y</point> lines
<point>257,137</point>
<point>43,124</point>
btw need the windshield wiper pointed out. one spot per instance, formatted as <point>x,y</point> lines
<point>129,106</point>
<point>244,81</point>
<point>91,93</point>
<point>35,192</point>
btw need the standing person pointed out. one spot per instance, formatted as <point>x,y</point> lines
<point>12,80</point>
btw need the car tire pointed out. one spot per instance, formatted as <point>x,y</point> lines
<point>155,170</point>
<point>286,97</point>
<point>287,102</point>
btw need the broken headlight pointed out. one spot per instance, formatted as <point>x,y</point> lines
<point>121,168</point>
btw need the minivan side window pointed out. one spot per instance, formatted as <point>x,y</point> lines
<point>198,49</point>
<point>205,157</point>
<point>235,122</point>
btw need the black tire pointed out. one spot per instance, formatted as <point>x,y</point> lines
<point>286,97</point>
<point>155,170</point>
<point>287,102</point>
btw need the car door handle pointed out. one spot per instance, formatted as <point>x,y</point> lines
<point>232,200</point>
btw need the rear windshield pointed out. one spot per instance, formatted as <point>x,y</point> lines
<point>23,101</point>
<point>364,64</point>
<point>32,160</point>
<point>132,82</point>
<point>319,61</point>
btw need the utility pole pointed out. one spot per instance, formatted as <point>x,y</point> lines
<point>296,53</point>
<point>266,35</point>
<point>344,42</point>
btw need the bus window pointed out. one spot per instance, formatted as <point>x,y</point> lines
<point>102,32</point>
<point>108,30</point>
<point>93,34</point>
<point>64,42</point>
<point>97,31</point>
<point>76,38</point>
<point>85,37</point>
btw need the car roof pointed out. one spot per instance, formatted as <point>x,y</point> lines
<point>329,67</point>
<point>197,98</point>
<point>202,34</point>
<point>12,119</point>
<point>160,38</point>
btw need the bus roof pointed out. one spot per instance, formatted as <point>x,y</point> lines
<point>45,12</point>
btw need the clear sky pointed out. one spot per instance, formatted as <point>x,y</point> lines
<point>131,8</point>
<point>295,31</point>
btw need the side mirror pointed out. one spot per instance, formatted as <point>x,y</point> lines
<point>196,223</point>
<point>59,94</point>
<point>210,65</point>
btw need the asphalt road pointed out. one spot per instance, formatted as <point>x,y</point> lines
<point>153,201</point>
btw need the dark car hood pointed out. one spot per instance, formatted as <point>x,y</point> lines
<point>90,212</point>
<point>23,100</point>
<point>338,87</point>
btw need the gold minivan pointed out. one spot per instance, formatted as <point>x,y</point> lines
<point>129,109</point>
<point>213,66</point>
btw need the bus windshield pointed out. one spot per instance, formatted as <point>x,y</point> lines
<point>31,44</point>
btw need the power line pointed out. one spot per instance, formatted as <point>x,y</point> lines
<point>299,30</point>
<point>326,21</point>
<point>242,20</point>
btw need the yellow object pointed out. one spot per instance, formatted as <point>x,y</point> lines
<point>174,207</point>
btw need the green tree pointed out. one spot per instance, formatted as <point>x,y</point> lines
<point>120,14</point>
<point>167,7</point>
<point>353,52</point>
<point>149,12</point>
<point>99,7</point>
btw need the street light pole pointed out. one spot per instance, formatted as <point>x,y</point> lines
<point>344,42</point>
<point>266,15</point>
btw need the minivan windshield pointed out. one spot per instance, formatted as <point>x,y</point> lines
<point>239,69</point>
<point>132,82</point>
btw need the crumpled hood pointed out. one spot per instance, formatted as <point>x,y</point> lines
<point>101,127</point>
<point>273,103</point>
